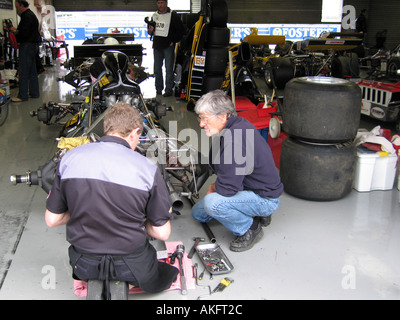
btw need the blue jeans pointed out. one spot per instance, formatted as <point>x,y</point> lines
<point>235,213</point>
<point>28,77</point>
<point>168,55</point>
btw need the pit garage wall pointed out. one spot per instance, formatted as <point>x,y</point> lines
<point>383,14</point>
<point>240,11</point>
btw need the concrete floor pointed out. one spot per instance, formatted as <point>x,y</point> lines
<point>341,250</point>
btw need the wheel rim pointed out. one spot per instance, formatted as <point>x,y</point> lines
<point>274,128</point>
<point>326,80</point>
<point>392,69</point>
<point>268,77</point>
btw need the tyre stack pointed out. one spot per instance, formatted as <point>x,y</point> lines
<point>321,115</point>
<point>216,46</point>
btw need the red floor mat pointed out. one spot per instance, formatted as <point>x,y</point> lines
<point>80,287</point>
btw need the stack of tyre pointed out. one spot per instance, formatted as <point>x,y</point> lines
<point>216,45</point>
<point>321,115</point>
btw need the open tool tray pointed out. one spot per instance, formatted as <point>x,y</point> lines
<point>214,259</point>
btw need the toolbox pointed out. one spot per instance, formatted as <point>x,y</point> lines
<point>214,259</point>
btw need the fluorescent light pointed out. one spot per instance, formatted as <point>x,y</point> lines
<point>332,10</point>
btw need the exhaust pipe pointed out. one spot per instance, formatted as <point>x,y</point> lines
<point>177,203</point>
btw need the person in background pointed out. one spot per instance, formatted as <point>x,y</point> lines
<point>112,199</point>
<point>361,23</point>
<point>28,37</point>
<point>248,187</point>
<point>168,31</point>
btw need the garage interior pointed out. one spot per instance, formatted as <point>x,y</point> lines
<point>346,249</point>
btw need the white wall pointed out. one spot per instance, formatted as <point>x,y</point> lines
<point>37,6</point>
<point>8,14</point>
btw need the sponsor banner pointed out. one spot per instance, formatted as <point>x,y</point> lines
<point>292,32</point>
<point>81,25</point>
<point>87,33</point>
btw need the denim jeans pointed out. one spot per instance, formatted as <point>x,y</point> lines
<point>28,77</point>
<point>169,55</point>
<point>235,213</point>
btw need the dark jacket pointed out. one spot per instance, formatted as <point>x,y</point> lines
<point>242,160</point>
<point>28,28</point>
<point>361,23</point>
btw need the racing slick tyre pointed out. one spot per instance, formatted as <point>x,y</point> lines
<point>212,82</point>
<point>278,72</point>
<point>218,36</point>
<point>345,67</point>
<point>218,13</point>
<point>321,109</point>
<point>318,172</point>
<point>393,66</point>
<point>216,60</point>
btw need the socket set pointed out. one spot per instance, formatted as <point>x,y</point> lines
<point>214,259</point>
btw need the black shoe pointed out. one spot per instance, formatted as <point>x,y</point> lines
<point>248,240</point>
<point>265,221</point>
<point>167,94</point>
<point>159,91</point>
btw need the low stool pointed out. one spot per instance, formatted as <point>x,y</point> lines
<point>96,290</point>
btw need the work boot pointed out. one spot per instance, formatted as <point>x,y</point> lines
<point>265,221</point>
<point>248,240</point>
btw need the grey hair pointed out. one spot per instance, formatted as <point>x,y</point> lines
<point>215,102</point>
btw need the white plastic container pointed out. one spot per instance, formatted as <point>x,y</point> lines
<point>374,171</point>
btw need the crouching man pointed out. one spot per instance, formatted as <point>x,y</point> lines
<point>248,187</point>
<point>111,199</point>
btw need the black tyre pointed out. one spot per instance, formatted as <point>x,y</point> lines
<point>218,12</point>
<point>345,66</point>
<point>218,36</point>
<point>278,72</point>
<point>315,172</point>
<point>393,66</point>
<point>216,60</point>
<point>212,82</point>
<point>321,109</point>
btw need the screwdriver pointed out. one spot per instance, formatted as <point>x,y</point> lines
<point>202,274</point>
<point>223,284</point>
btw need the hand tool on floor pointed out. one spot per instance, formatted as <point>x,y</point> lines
<point>180,250</point>
<point>202,274</point>
<point>196,240</point>
<point>222,285</point>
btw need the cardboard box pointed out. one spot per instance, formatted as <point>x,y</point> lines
<point>374,170</point>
